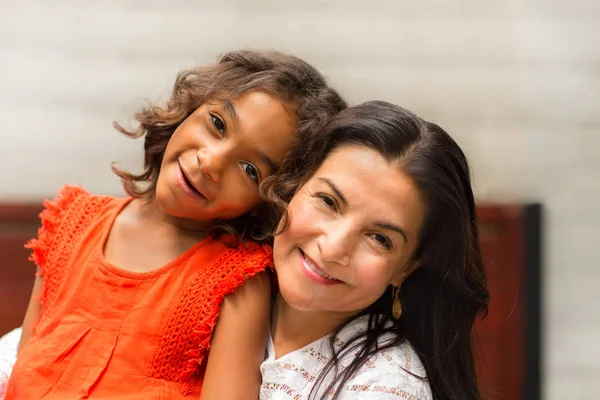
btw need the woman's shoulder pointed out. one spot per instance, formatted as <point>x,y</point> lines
<point>396,371</point>
<point>393,372</point>
<point>390,373</point>
<point>401,357</point>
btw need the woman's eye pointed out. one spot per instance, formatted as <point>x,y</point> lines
<point>251,171</point>
<point>382,240</point>
<point>328,201</point>
<point>218,124</point>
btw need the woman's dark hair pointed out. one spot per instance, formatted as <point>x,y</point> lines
<point>298,85</point>
<point>444,295</point>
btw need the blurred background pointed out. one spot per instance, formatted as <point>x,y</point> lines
<point>517,84</point>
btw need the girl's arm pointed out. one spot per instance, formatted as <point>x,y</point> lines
<point>238,342</point>
<point>33,312</point>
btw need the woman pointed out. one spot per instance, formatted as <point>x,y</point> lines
<point>378,263</point>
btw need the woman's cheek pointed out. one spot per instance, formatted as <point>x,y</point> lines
<point>302,215</point>
<point>374,273</point>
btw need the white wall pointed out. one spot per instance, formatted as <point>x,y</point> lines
<point>516,82</point>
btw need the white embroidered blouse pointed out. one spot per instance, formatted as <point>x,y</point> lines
<point>394,373</point>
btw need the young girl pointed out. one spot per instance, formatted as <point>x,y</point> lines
<point>129,290</point>
<point>378,263</point>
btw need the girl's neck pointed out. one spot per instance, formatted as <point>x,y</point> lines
<point>151,211</point>
<point>293,329</point>
<point>144,239</point>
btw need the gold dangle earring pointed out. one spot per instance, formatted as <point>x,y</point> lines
<point>396,307</point>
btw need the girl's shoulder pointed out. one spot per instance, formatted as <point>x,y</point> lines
<point>69,210</point>
<point>230,266</point>
<point>245,256</point>
<point>66,198</point>
<point>69,200</point>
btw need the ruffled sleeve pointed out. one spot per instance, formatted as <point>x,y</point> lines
<point>235,266</point>
<point>185,341</point>
<point>53,233</point>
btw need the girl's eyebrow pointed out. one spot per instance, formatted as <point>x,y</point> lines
<point>230,110</point>
<point>266,160</point>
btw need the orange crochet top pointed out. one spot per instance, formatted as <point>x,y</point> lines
<point>109,333</point>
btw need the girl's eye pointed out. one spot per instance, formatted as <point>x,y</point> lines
<point>251,171</point>
<point>218,124</point>
<point>382,240</point>
<point>328,201</point>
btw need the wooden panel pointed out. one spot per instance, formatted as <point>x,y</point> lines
<point>509,338</point>
<point>18,224</point>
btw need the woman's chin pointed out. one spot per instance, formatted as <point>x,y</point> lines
<point>296,298</point>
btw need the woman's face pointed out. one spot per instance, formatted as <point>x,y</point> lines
<point>352,230</point>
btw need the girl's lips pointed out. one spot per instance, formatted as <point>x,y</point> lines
<point>187,185</point>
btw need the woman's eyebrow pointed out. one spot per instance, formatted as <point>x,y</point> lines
<point>392,227</point>
<point>385,225</point>
<point>335,189</point>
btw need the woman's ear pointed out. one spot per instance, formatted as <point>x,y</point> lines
<point>405,272</point>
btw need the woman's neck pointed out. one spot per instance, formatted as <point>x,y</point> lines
<point>293,329</point>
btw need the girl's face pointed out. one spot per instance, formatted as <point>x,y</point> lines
<point>352,230</point>
<point>218,156</point>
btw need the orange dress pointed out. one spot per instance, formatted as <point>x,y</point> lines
<point>109,333</point>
